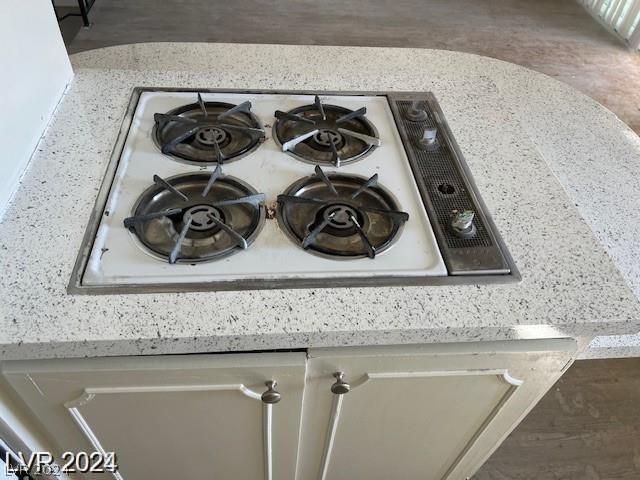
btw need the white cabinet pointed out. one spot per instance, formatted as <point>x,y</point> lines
<point>411,412</point>
<point>172,417</point>
<point>428,412</point>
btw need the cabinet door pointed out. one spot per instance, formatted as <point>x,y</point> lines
<point>427,413</point>
<point>197,416</point>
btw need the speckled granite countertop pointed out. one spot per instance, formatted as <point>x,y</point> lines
<point>524,135</point>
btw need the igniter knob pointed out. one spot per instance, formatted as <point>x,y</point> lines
<point>429,139</point>
<point>462,223</point>
<point>416,113</point>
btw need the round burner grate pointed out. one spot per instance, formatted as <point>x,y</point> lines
<point>195,217</point>
<point>340,216</point>
<point>205,133</point>
<point>324,134</point>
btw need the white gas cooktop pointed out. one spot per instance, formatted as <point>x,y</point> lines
<point>120,257</point>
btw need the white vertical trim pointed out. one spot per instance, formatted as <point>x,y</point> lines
<point>598,6</point>
<point>331,435</point>
<point>618,16</point>
<point>611,7</point>
<point>267,445</point>
<point>93,439</point>
<point>629,19</point>
<point>634,39</point>
<point>615,11</point>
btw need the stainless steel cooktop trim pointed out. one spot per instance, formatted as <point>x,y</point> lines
<point>75,286</point>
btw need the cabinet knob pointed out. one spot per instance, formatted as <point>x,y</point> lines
<point>271,395</point>
<point>340,387</point>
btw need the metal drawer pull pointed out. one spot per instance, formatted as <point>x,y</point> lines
<point>340,387</point>
<point>271,396</point>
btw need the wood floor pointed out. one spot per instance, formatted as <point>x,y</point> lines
<point>556,37</point>
<point>587,427</point>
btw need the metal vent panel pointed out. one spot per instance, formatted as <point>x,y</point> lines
<point>446,186</point>
<point>439,171</point>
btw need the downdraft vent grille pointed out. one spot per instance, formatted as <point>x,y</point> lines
<point>446,186</point>
<point>443,181</point>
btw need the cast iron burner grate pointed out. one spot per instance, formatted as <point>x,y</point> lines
<point>340,216</point>
<point>197,217</point>
<point>325,134</point>
<point>205,133</point>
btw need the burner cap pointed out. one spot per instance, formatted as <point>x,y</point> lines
<point>339,219</point>
<point>326,137</point>
<point>204,133</point>
<point>210,136</point>
<point>340,216</point>
<point>203,217</point>
<point>197,217</point>
<point>324,134</point>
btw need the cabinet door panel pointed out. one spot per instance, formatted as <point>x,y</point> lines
<point>414,412</point>
<point>427,413</point>
<point>172,417</point>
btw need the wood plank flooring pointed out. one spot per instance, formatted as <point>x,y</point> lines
<point>587,427</point>
<point>556,37</point>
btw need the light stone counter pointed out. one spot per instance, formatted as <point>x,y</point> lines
<point>543,157</point>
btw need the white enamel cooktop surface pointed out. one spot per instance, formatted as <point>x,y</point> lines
<point>118,258</point>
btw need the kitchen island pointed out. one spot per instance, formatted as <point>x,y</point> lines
<point>539,151</point>
<point>470,359</point>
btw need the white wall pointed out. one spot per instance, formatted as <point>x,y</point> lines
<point>34,71</point>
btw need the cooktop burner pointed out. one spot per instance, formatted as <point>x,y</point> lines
<point>197,217</point>
<point>340,216</point>
<point>324,134</point>
<point>204,133</point>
